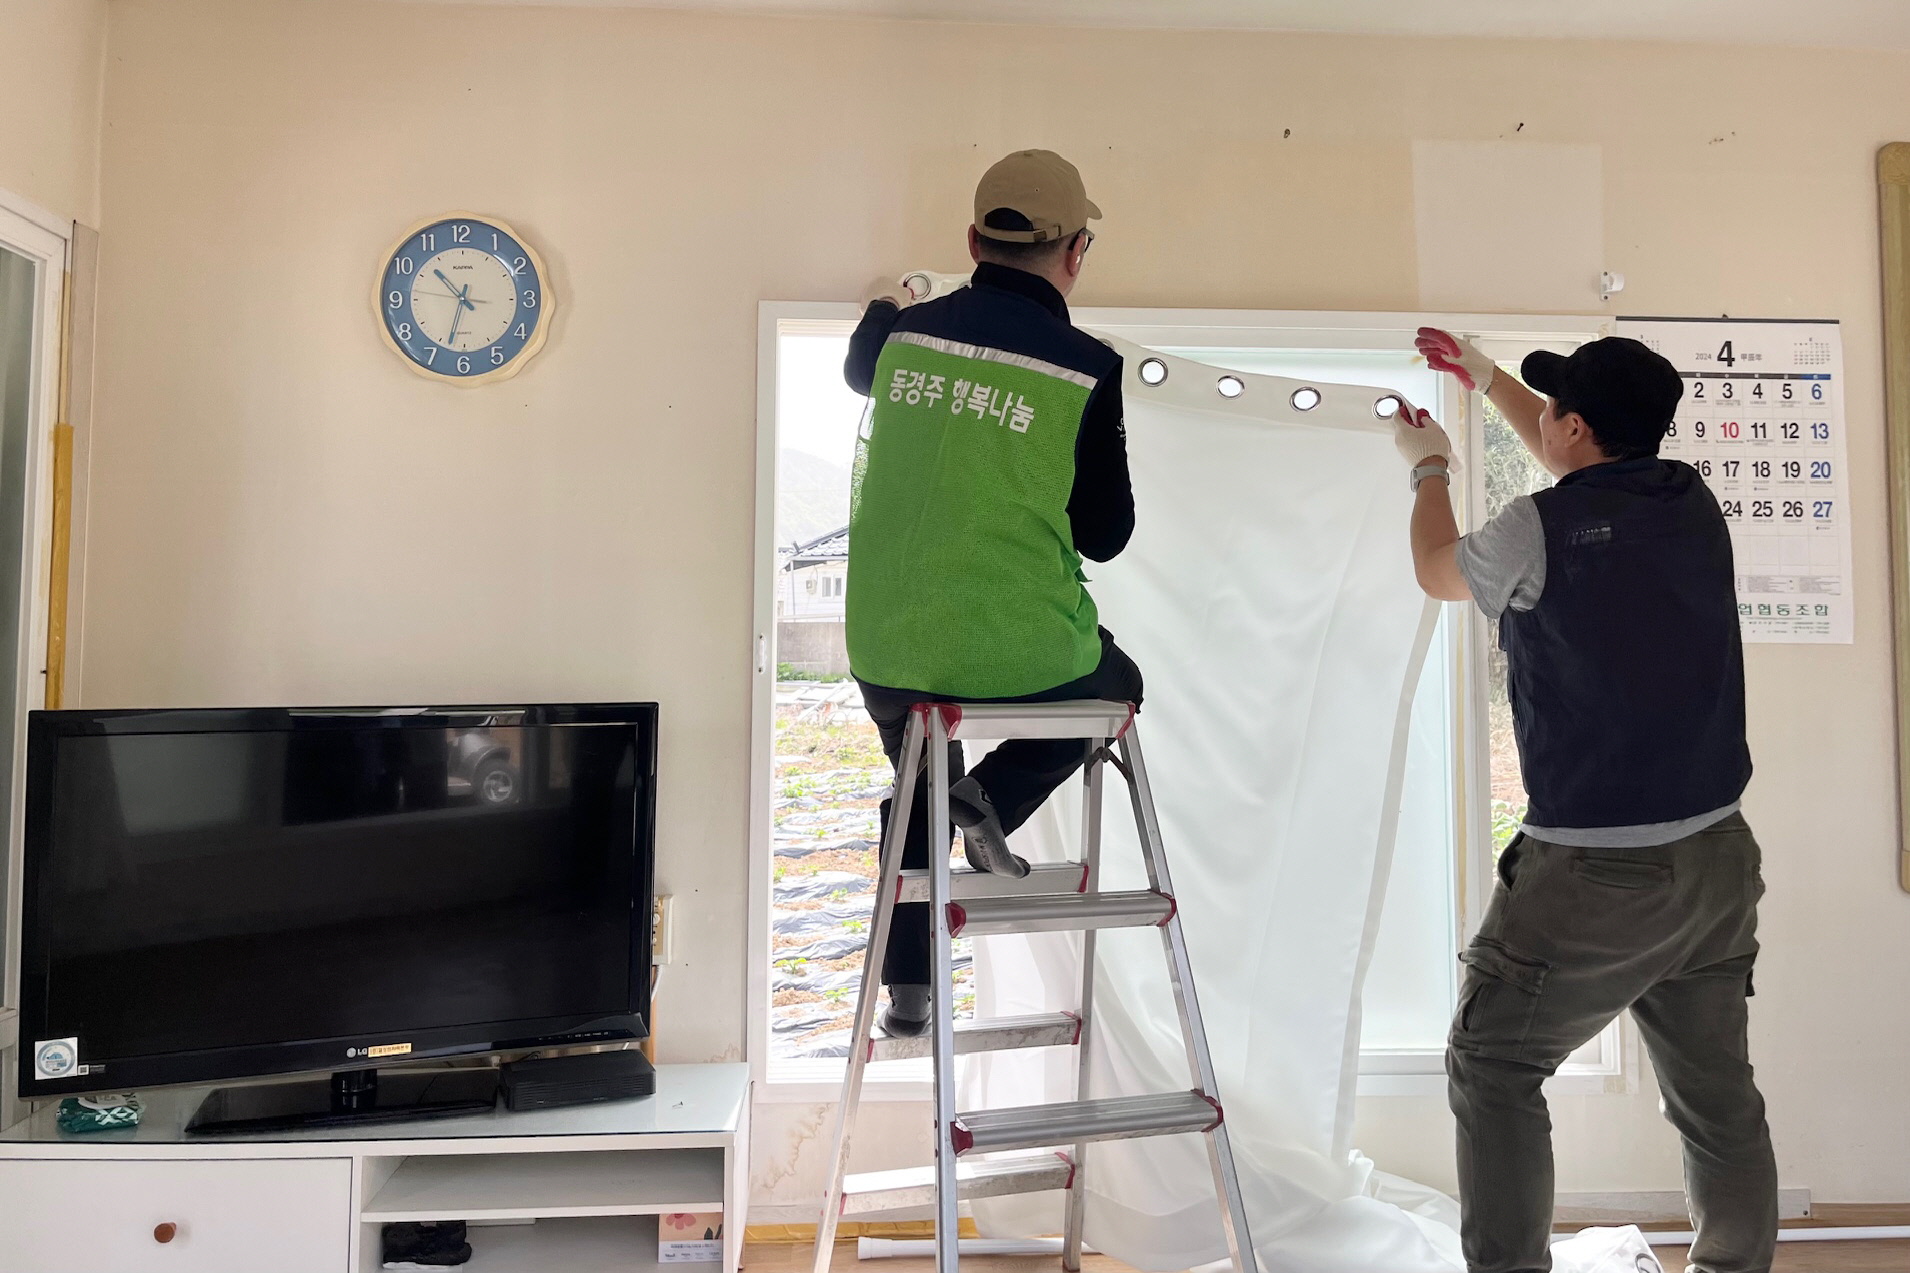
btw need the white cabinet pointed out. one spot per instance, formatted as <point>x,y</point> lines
<point>158,1216</point>
<point>571,1190</point>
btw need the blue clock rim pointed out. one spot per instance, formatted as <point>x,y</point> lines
<point>513,350</point>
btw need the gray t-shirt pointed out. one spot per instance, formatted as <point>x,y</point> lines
<point>1504,565</point>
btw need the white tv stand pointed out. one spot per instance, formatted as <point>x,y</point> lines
<point>594,1178</point>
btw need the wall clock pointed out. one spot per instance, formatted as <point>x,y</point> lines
<point>462,298</point>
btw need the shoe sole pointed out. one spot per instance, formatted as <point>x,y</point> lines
<point>984,856</point>
<point>983,843</point>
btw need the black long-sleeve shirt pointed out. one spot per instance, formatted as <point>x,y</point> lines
<point>1011,309</point>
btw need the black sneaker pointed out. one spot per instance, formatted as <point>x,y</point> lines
<point>983,841</point>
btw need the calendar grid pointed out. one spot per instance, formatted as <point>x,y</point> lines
<point>1762,421</point>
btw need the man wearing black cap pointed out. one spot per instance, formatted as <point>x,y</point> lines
<point>1633,882</point>
<point>992,461</point>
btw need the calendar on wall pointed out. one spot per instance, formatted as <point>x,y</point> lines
<point>1763,422</point>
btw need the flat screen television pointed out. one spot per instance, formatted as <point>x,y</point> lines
<point>221,894</point>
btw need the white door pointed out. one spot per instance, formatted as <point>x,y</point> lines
<point>32,276</point>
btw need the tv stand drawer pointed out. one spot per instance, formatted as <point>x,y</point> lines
<point>171,1216</point>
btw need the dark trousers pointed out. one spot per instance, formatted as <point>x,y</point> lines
<point>1574,937</point>
<point>1017,776</point>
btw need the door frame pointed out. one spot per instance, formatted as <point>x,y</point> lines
<point>30,231</point>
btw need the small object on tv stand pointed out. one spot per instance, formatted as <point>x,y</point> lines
<point>690,1238</point>
<point>555,1081</point>
<point>425,1244</point>
<point>99,1113</point>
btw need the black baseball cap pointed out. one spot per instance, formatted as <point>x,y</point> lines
<point>1627,393</point>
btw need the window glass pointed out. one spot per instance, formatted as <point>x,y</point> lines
<point>1510,471</point>
<point>830,773</point>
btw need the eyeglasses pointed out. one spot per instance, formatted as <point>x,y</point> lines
<point>1087,241</point>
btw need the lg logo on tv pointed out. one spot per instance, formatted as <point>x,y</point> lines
<point>383,1049</point>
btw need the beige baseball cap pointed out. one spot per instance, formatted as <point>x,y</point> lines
<point>1041,186</point>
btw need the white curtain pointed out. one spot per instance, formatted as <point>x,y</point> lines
<point>1269,599</point>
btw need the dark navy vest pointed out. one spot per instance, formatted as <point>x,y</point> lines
<point>1627,678</point>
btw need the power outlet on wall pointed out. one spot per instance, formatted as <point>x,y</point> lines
<point>661,929</point>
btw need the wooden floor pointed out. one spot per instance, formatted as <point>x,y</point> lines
<point>1815,1257</point>
<point>1828,1257</point>
<point>1792,1257</point>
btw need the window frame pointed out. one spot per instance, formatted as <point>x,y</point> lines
<point>1382,1073</point>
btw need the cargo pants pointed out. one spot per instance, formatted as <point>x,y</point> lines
<point>1573,937</point>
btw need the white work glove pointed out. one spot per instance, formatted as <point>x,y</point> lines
<point>1420,438</point>
<point>886,289</point>
<point>1445,352</point>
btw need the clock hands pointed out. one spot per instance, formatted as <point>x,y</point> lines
<point>462,298</point>
<point>464,303</point>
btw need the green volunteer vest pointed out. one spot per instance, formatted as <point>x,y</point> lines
<point>963,577</point>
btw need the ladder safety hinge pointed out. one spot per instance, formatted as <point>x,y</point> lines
<point>951,714</point>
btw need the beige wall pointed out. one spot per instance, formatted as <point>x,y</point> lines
<point>283,513</point>
<point>52,53</point>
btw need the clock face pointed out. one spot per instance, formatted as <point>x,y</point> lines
<point>463,299</point>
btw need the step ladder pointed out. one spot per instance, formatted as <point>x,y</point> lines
<point>1053,897</point>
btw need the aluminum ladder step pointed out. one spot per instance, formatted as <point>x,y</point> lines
<point>1112,1118</point>
<point>1058,913</point>
<point>996,1034</point>
<point>1086,718</point>
<point>1043,877</point>
<point>978,1178</point>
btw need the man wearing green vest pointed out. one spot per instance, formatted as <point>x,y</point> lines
<point>992,461</point>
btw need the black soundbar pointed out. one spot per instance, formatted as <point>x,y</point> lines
<point>555,1081</point>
